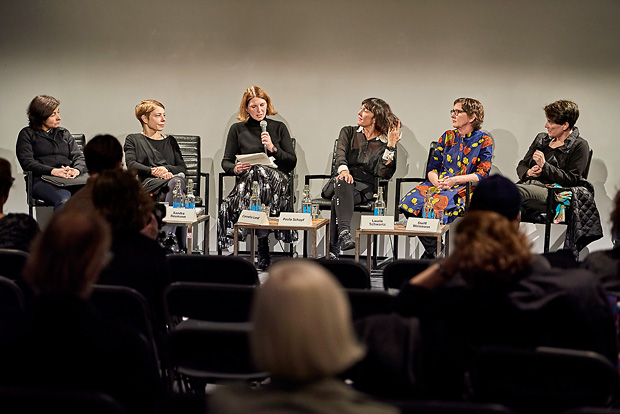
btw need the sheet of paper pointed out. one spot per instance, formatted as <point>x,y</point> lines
<point>258,158</point>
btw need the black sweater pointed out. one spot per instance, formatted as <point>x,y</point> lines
<point>244,138</point>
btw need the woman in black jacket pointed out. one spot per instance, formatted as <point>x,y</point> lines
<point>45,148</point>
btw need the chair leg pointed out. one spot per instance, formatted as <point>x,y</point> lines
<point>547,236</point>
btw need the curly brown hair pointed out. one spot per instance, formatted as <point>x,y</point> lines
<point>118,196</point>
<point>489,250</point>
<point>384,117</point>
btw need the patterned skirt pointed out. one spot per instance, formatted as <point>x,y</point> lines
<point>273,191</point>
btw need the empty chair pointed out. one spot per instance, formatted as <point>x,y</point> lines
<point>18,400</point>
<point>400,271</point>
<point>207,302</point>
<point>351,274</point>
<point>545,380</point>
<point>211,353</point>
<point>12,263</point>
<point>366,302</point>
<point>212,269</point>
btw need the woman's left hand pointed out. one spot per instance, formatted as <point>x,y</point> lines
<point>71,172</point>
<point>447,183</point>
<point>539,158</point>
<point>394,135</point>
<point>265,138</point>
<point>160,172</point>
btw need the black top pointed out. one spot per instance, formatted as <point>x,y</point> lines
<point>564,165</point>
<point>244,138</point>
<point>363,157</point>
<point>17,231</point>
<point>553,307</point>
<point>143,153</point>
<point>66,344</point>
<point>41,152</point>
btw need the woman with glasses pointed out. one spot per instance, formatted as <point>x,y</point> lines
<point>16,230</point>
<point>463,155</point>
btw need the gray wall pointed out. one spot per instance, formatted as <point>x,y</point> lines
<point>317,60</point>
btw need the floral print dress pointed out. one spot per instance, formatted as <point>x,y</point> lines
<point>454,155</point>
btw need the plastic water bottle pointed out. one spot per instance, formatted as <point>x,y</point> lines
<point>306,201</point>
<point>177,196</point>
<point>254,199</point>
<point>190,199</point>
<point>428,211</point>
<point>380,204</point>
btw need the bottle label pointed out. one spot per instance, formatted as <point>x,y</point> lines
<point>307,209</point>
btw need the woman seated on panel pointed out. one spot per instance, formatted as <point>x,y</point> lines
<point>45,148</point>
<point>302,336</point>
<point>463,154</point>
<point>363,152</point>
<point>157,159</point>
<point>16,230</point>
<point>558,156</point>
<point>246,137</point>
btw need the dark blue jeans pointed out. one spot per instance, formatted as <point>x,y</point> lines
<point>56,196</point>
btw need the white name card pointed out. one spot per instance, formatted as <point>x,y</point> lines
<point>253,217</point>
<point>423,224</point>
<point>376,222</point>
<point>180,215</point>
<point>295,219</point>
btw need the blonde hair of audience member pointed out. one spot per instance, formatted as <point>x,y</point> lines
<point>249,94</point>
<point>302,323</point>
<point>69,255</point>
<point>119,197</point>
<point>489,250</point>
<point>145,108</point>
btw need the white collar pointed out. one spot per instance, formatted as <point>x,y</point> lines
<point>381,137</point>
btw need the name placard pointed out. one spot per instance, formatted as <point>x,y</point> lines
<point>180,215</point>
<point>376,222</point>
<point>423,224</point>
<point>253,217</point>
<point>295,219</point>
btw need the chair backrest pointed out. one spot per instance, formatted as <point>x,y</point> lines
<point>80,139</point>
<point>12,263</point>
<point>400,271</point>
<point>543,380</point>
<point>351,274</point>
<point>11,297</point>
<point>213,352</point>
<point>212,269</point>
<point>586,171</point>
<point>190,151</point>
<point>125,306</point>
<point>366,302</point>
<point>18,400</point>
<point>207,302</point>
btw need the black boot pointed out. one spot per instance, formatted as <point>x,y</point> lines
<point>264,258</point>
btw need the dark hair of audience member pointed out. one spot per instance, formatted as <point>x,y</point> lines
<point>488,251</point>
<point>103,152</point>
<point>69,255</point>
<point>118,196</point>
<point>615,217</point>
<point>40,108</point>
<point>6,180</point>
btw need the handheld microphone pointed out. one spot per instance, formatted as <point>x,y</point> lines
<point>181,174</point>
<point>263,128</point>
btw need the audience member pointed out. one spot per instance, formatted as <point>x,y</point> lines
<point>303,336</point>
<point>64,343</point>
<point>46,148</point>
<point>139,262</point>
<point>606,263</point>
<point>16,230</point>
<point>491,292</point>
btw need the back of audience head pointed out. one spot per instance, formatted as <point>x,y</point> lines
<point>69,255</point>
<point>497,193</point>
<point>118,196</point>
<point>103,152</point>
<point>488,252</point>
<point>6,181</point>
<point>615,219</point>
<point>302,323</point>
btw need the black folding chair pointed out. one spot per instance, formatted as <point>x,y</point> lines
<point>366,302</point>
<point>400,271</point>
<point>212,269</point>
<point>351,274</point>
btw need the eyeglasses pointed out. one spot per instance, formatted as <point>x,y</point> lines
<point>456,112</point>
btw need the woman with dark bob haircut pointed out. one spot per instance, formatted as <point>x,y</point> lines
<point>45,148</point>
<point>247,137</point>
<point>558,156</point>
<point>463,155</point>
<point>363,152</point>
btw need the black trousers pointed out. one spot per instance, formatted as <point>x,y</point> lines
<point>346,196</point>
